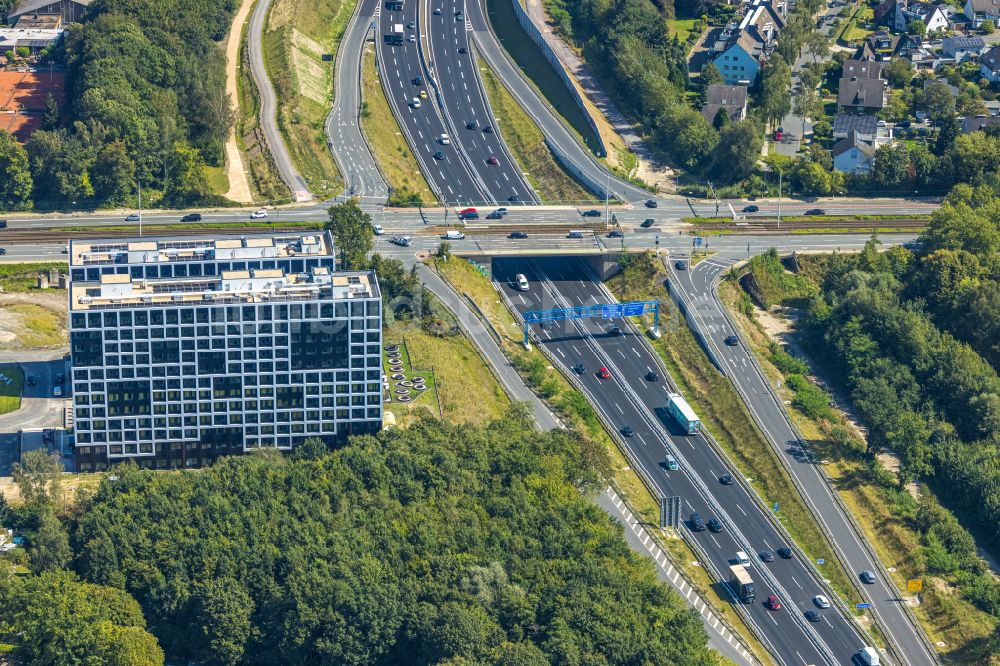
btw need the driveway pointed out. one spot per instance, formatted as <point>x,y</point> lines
<point>38,408</point>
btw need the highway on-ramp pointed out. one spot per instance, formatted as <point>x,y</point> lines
<point>628,399</point>
<point>697,289</point>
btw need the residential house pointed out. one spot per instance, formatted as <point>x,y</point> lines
<point>71,11</point>
<point>880,46</point>
<point>884,13</point>
<point>989,65</point>
<point>962,48</point>
<point>741,60</point>
<point>970,125</point>
<point>732,99</point>
<point>992,106</point>
<point>862,69</point>
<point>862,88</point>
<point>978,11</point>
<point>865,127</point>
<point>936,17</point>
<point>853,155</point>
<point>952,89</point>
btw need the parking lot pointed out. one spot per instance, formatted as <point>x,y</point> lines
<point>39,409</point>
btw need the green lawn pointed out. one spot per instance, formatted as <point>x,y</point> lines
<point>853,30</point>
<point>217,179</point>
<point>11,383</point>
<point>680,27</point>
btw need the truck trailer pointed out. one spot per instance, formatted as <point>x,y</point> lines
<point>396,36</point>
<point>742,584</point>
<point>683,414</point>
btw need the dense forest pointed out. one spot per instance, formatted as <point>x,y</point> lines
<point>146,103</point>
<point>428,545</point>
<point>909,332</point>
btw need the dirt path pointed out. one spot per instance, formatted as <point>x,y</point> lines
<point>239,186</point>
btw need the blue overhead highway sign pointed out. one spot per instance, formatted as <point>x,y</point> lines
<point>862,605</point>
<point>611,311</point>
<point>634,309</point>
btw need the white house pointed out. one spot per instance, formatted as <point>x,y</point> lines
<point>852,155</point>
<point>962,48</point>
<point>989,65</point>
<point>978,11</point>
<point>935,17</point>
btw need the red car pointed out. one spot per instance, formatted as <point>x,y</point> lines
<point>466,211</point>
<point>773,603</point>
<point>492,160</point>
<point>603,373</point>
<point>779,134</point>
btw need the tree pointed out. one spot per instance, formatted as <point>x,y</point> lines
<point>948,132</point>
<point>50,119</point>
<point>738,150</point>
<point>917,27</point>
<point>49,543</point>
<point>113,174</point>
<point>774,98</point>
<point>224,609</point>
<point>39,477</point>
<point>822,130</point>
<point>15,175</point>
<point>807,104</point>
<point>937,101</point>
<point>812,178</point>
<point>988,27</point>
<point>352,232</point>
<point>721,120</point>
<point>899,72</point>
<point>891,165</point>
<point>818,44</point>
<point>710,75</point>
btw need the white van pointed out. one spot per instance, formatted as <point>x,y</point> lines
<point>453,234</point>
<point>522,282</point>
<point>742,557</point>
<point>444,140</point>
<point>57,391</point>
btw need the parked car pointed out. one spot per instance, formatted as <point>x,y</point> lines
<point>779,134</point>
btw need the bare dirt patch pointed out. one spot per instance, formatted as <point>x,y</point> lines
<point>35,320</point>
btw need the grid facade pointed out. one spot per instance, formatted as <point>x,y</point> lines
<point>189,371</point>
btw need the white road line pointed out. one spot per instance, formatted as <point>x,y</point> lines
<point>619,408</point>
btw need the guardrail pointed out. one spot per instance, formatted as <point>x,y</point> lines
<point>918,629</point>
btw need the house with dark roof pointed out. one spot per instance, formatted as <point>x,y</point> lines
<point>989,65</point>
<point>862,69</point>
<point>970,125</point>
<point>732,99</point>
<point>936,17</point>
<point>880,46</point>
<point>962,48</point>
<point>71,11</point>
<point>853,155</point>
<point>978,11</point>
<point>866,127</point>
<point>862,88</point>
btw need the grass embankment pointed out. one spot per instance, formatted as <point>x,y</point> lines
<point>297,34</point>
<point>527,143</point>
<point>680,27</point>
<point>884,512</point>
<point>11,383</point>
<point>385,138</point>
<point>574,410</point>
<point>264,178</point>
<point>217,179</point>
<point>35,326</point>
<point>724,414</point>
<point>853,31</point>
<point>21,277</point>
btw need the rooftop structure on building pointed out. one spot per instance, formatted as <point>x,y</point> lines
<point>71,11</point>
<point>731,98</point>
<point>186,349</point>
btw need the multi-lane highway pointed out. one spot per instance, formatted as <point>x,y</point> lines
<point>455,74</point>
<point>697,289</point>
<point>404,80</point>
<point>628,399</point>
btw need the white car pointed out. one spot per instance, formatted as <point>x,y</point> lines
<point>256,215</point>
<point>415,102</point>
<point>821,601</point>
<point>437,11</point>
<point>411,38</point>
<point>377,228</point>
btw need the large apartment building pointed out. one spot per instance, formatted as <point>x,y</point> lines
<point>185,349</point>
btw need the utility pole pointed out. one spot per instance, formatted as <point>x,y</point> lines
<point>779,199</point>
<point>607,194</point>
<point>140,207</point>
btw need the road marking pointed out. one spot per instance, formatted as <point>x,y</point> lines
<point>618,407</point>
<point>741,510</point>
<point>796,583</point>
<point>560,352</point>
<point>636,352</point>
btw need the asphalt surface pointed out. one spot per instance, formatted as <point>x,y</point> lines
<point>422,127</point>
<point>696,287</point>
<point>268,106</point>
<point>463,101</point>
<point>357,165</point>
<point>628,399</point>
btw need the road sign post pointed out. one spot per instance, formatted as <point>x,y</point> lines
<point>915,585</point>
<point>862,606</point>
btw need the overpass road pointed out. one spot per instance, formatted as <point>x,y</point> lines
<point>420,120</point>
<point>696,288</point>
<point>628,399</point>
<point>464,102</point>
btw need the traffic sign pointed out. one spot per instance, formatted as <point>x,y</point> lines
<point>820,561</point>
<point>634,309</point>
<point>776,507</point>
<point>862,605</point>
<point>698,240</point>
<point>914,585</point>
<point>611,311</point>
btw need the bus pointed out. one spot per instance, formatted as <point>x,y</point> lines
<point>742,584</point>
<point>683,414</point>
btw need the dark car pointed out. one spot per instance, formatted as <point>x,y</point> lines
<point>766,556</point>
<point>615,233</point>
<point>191,217</point>
<point>513,199</point>
<point>462,49</point>
<point>3,250</point>
<point>651,203</point>
<point>459,16</point>
<point>784,553</point>
<point>813,616</point>
<point>418,80</point>
<point>697,524</point>
<point>494,216</point>
<point>726,479</point>
<point>867,577</point>
<point>591,213</point>
<point>472,124</point>
<point>752,208</point>
<point>714,525</point>
<point>493,160</point>
<point>488,129</point>
<point>469,216</point>
<point>651,376</point>
<point>411,25</point>
<point>3,224</point>
<point>439,155</point>
<point>60,378</point>
<point>647,223</point>
<point>627,431</point>
<point>732,340</point>
<point>31,380</point>
<point>815,211</point>
<point>615,330</point>
<point>680,265</point>
<point>904,124</point>
<point>516,234</point>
